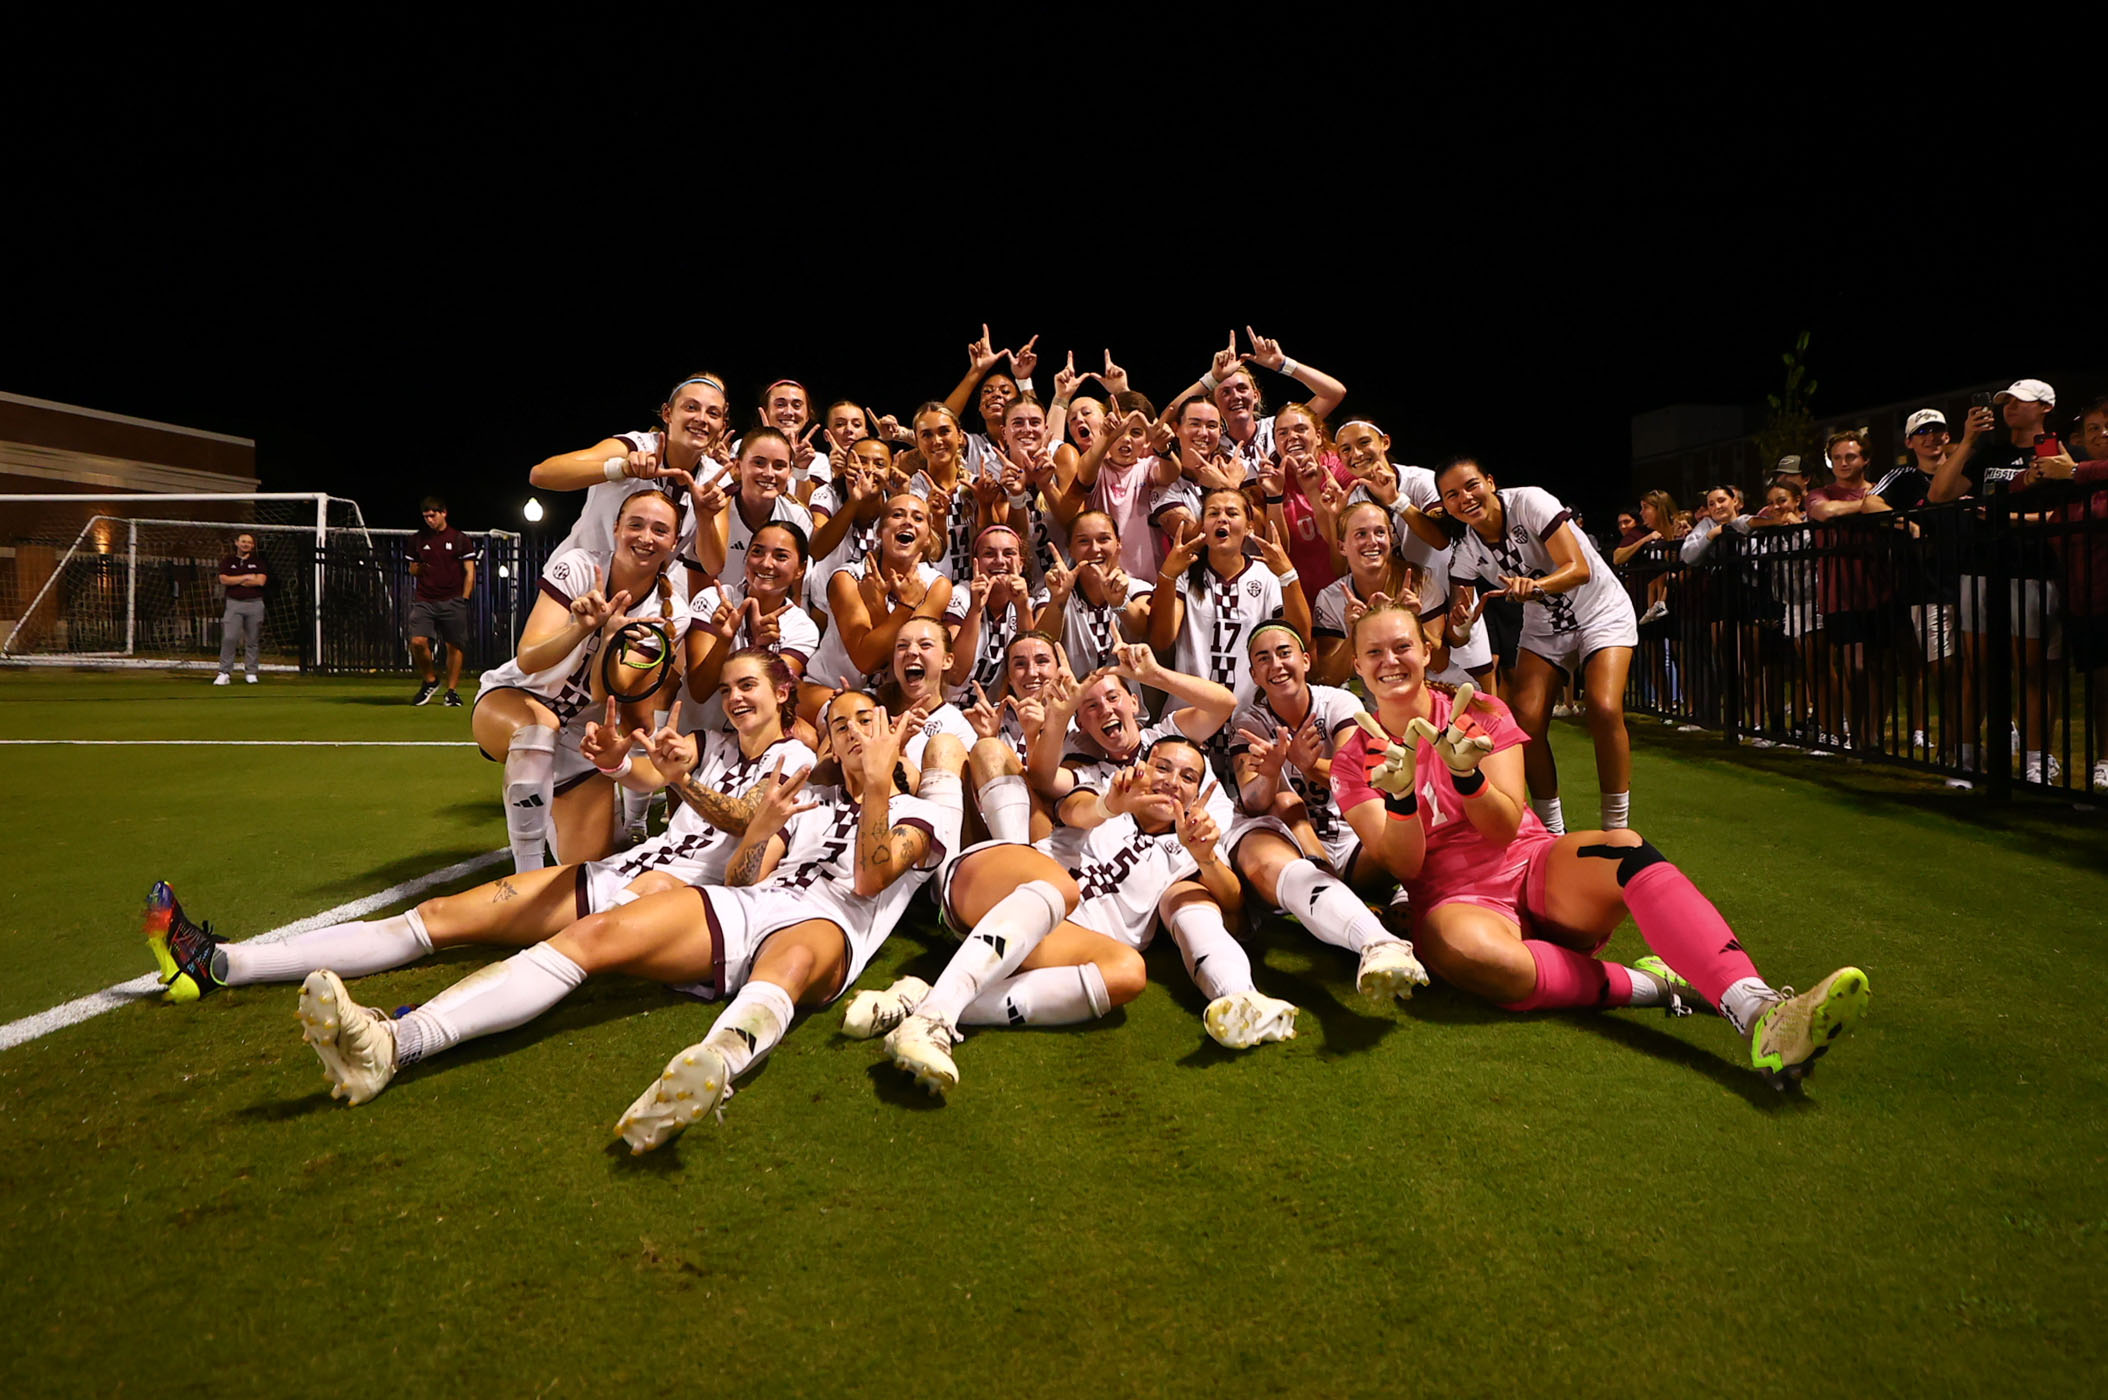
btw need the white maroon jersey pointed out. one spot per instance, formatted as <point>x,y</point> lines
<point>1121,873</point>
<point>1182,494</point>
<point>1220,616</point>
<point>1416,487</point>
<point>1094,772</point>
<point>567,687</point>
<point>998,631</point>
<point>857,544</point>
<point>1255,453</point>
<point>720,767</point>
<point>595,527</point>
<point>797,640</point>
<point>961,524</point>
<point>1090,632</point>
<point>1437,592</point>
<point>1530,517</point>
<point>945,719</point>
<point>832,661</point>
<point>819,855</point>
<point>1334,710</point>
<point>784,511</point>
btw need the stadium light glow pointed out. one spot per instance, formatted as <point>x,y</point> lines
<point>534,509</point>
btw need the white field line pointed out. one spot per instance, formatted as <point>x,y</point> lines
<point>254,743</point>
<point>74,1012</point>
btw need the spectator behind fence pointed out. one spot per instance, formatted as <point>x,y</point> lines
<point>1855,584</point>
<point>1982,462</point>
<point>443,561</point>
<point>1790,471</point>
<point>1928,583</point>
<point>2085,568</point>
<point>243,574</point>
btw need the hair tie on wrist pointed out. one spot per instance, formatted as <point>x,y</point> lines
<point>619,769</point>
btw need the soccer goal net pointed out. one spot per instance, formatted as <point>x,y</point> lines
<point>138,584</point>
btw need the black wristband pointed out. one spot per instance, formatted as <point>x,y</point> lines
<point>1404,806</point>
<point>1275,500</point>
<point>1468,783</point>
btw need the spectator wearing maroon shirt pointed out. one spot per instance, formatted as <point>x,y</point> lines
<point>1855,582</point>
<point>2083,555</point>
<point>243,574</point>
<point>443,561</point>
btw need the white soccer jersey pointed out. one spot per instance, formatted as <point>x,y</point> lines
<point>998,631</point>
<point>1436,595</point>
<point>832,661</point>
<point>1596,614</point>
<point>857,544</point>
<point>961,524</point>
<point>1220,616</point>
<point>721,767</point>
<point>1121,872</point>
<point>567,687</point>
<point>595,527</point>
<point>1089,632</point>
<point>798,639</point>
<point>945,719</point>
<point>1094,772</point>
<point>1182,494</point>
<point>1334,710</point>
<point>785,511</point>
<point>690,849</point>
<point>1255,453</point>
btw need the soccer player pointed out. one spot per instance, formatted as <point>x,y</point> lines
<point>1506,910</point>
<point>443,561</point>
<point>762,495</point>
<point>1093,604</point>
<point>714,775</point>
<point>1001,604</point>
<point>870,599</point>
<point>759,611</point>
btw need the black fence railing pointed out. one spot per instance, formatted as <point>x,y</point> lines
<point>368,592</point>
<point>1968,639</point>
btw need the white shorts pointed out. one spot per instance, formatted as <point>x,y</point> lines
<point>2033,602</point>
<point>691,859</point>
<point>1244,826</point>
<point>1933,626</point>
<point>743,919</point>
<point>1571,650</point>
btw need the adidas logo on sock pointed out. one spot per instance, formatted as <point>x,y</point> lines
<point>532,799</point>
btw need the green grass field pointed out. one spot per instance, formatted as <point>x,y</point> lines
<point>1442,1199</point>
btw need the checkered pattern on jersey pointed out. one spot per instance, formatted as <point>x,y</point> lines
<point>1105,875</point>
<point>841,833</point>
<point>1558,607</point>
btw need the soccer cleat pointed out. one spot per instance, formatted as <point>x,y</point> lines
<point>1796,1030</point>
<point>875,1013</point>
<point>2042,768</point>
<point>425,692</point>
<point>223,679</point>
<point>1388,970</point>
<point>355,1043</point>
<point>452,700</point>
<point>181,948</point>
<point>921,1045</point>
<point>694,1082</point>
<point>1683,997</point>
<point>1244,1019</point>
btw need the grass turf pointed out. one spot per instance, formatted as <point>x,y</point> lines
<point>1441,1198</point>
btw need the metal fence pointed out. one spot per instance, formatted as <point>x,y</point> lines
<point>1968,639</point>
<point>368,592</point>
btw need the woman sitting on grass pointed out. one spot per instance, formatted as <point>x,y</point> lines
<point>1505,910</point>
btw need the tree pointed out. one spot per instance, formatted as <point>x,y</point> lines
<point>1789,428</point>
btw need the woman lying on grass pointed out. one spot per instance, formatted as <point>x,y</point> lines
<point>1507,911</point>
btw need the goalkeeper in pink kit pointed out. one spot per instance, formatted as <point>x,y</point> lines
<point>1505,910</point>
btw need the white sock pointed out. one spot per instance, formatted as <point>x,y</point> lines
<point>1328,908</point>
<point>1006,805</point>
<point>749,1027</point>
<point>349,950</point>
<point>1045,996</point>
<point>1968,755</point>
<point>530,788</point>
<point>1216,962</point>
<point>1647,989</point>
<point>1547,810</point>
<point>1617,810</point>
<point>1743,1002</point>
<point>495,998</point>
<point>1003,938</point>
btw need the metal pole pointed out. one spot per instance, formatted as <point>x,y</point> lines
<point>321,530</point>
<point>131,583</point>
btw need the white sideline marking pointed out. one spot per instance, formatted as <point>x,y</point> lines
<point>110,998</point>
<point>255,744</point>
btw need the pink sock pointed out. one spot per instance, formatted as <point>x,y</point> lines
<point>1566,978</point>
<point>1683,927</point>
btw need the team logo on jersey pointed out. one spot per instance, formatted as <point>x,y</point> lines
<point>1253,588</point>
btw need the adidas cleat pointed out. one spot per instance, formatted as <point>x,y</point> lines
<point>356,1044</point>
<point>921,1045</point>
<point>876,1013</point>
<point>1683,997</point>
<point>1244,1019</point>
<point>182,949</point>
<point>694,1082</point>
<point>1388,970</point>
<point>1796,1031</point>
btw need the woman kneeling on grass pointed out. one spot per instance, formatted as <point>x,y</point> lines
<point>714,775</point>
<point>1507,911</point>
<point>816,885</point>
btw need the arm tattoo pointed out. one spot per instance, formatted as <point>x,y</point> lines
<point>746,863</point>
<point>721,810</point>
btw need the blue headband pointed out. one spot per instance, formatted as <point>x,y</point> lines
<point>696,379</point>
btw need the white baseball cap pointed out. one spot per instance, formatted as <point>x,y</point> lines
<point>1924,418</point>
<point>2032,390</point>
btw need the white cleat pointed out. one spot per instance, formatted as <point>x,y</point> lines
<point>1244,1019</point>
<point>693,1083</point>
<point>1389,970</point>
<point>921,1045</point>
<point>875,1013</point>
<point>356,1044</point>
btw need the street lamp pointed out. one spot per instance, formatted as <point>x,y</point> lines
<point>533,511</point>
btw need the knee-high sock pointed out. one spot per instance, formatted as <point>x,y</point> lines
<point>530,788</point>
<point>496,998</point>
<point>1329,908</point>
<point>1549,812</point>
<point>1006,805</point>
<point>1045,996</point>
<point>1216,962</point>
<point>1003,938</point>
<point>1567,978</point>
<point>1683,927</point>
<point>349,950</point>
<point>750,1026</point>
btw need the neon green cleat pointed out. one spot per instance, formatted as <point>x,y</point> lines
<point>1683,997</point>
<point>1794,1032</point>
<point>182,950</point>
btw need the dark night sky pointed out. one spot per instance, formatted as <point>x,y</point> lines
<point>400,275</point>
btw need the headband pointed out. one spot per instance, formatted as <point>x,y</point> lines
<point>1265,627</point>
<point>774,382</point>
<point>694,379</point>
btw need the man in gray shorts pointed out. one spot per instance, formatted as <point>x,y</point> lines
<point>443,561</point>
